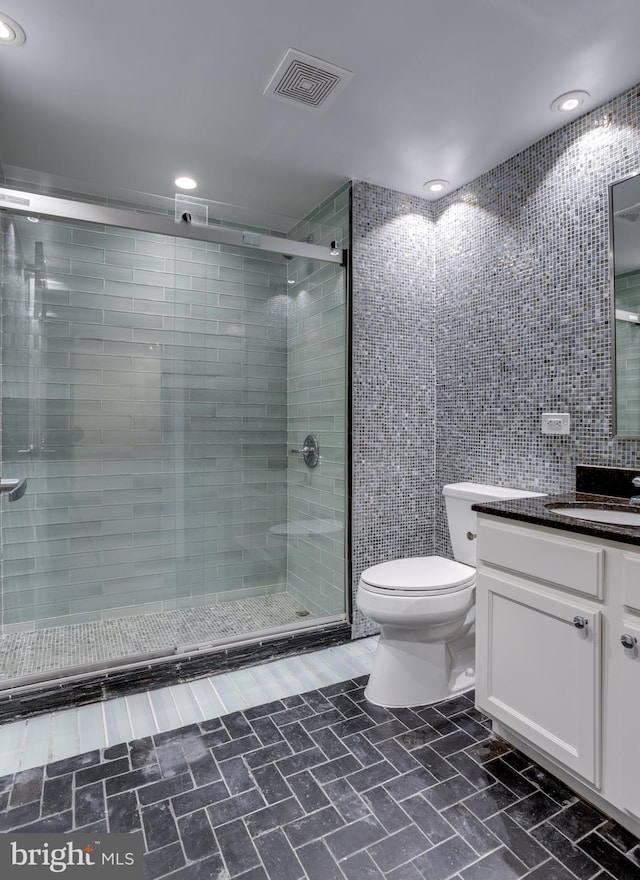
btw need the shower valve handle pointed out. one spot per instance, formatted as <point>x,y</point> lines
<point>310,451</point>
<point>15,487</point>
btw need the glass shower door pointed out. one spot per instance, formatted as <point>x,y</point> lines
<point>89,396</point>
<point>156,391</point>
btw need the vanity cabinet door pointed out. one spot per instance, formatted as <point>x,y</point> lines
<point>625,714</point>
<point>538,669</point>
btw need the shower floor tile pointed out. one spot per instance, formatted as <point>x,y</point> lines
<point>323,785</point>
<point>47,650</point>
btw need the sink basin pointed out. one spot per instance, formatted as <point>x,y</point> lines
<point>615,515</point>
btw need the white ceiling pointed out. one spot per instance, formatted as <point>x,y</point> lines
<point>128,93</point>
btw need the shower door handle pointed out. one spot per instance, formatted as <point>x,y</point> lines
<point>16,487</point>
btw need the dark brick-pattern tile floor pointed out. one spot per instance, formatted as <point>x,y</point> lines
<point>326,786</point>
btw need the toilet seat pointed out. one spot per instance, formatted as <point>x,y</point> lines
<point>418,576</point>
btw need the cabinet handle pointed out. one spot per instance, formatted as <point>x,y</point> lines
<point>580,622</point>
<point>628,641</point>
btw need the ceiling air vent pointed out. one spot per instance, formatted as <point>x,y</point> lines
<point>307,81</point>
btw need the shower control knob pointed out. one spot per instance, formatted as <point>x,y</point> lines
<point>628,641</point>
<point>471,536</point>
<point>310,451</point>
<point>580,622</point>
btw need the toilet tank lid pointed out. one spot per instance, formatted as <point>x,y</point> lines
<point>482,492</point>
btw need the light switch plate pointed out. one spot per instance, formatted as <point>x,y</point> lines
<point>556,423</point>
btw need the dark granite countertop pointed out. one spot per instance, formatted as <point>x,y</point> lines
<point>533,510</point>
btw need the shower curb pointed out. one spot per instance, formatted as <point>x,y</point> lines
<point>120,682</point>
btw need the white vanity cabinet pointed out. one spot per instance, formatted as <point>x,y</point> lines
<point>551,671</point>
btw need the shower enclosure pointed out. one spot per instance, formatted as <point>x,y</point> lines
<point>159,379</point>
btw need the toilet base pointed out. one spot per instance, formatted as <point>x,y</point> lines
<point>413,673</point>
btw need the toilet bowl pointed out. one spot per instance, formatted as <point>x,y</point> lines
<point>425,608</point>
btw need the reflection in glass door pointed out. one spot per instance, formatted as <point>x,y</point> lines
<point>90,552</point>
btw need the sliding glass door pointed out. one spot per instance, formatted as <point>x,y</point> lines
<point>155,391</point>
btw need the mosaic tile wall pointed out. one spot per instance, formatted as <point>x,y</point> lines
<point>523,309</point>
<point>494,301</point>
<point>316,404</point>
<point>144,396</point>
<point>393,379</point>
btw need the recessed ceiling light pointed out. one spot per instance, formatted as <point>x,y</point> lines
<point>33,219</point>
<point>569,101</point>
<point>435,186</point>
<point>185,182</point>
<point>11,34</point>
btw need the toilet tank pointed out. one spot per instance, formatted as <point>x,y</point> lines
<point>461,519</point>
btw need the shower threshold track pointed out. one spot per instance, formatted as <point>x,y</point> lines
<point>43,651</point>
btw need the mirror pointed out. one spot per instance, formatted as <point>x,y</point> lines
<point>624,225</point>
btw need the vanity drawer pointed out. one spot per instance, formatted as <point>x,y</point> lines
<point>562,561</point>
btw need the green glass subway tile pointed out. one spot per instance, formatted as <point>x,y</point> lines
<point>18,567</point>
<point>24,599</point>
<point>132,292</point>
<point>59,250</point>
<point>265,267</point>
<point>161,279</point>
<point>132,611</point>
<point>100,332</point>
<point>75,345</point>
<point>96,239</point>
<point>341,200</point>
<point>100,301</point>
<point>191,269</point>
<point>153,248</point>
<point>242,276</point>
<point>66,620</point>
<point>149,379</point>
<point>65,562</point>
<point>65,593</point>
<point>129,584</point>
<point>99,603</point>
<point>211,259</point>
<point>79,284</point>
<point>106,273</point>
<point>226,592</point>
<point>165,308</point>
<point>143,530</point>
<point>135,261</point>
<point>133,320</point>
<point>46,578</point>
<point>25,615</point>
<point>277,288</point>
<point>17,550</point>
<point>92,392</point>
<point>57,530</point>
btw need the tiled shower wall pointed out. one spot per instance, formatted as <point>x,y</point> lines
<point>493,312</point>
<point>316,404</point>
<point>144,396</point>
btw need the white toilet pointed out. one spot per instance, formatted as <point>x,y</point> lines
<point>425,607</point>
